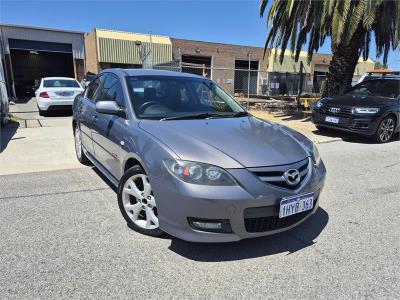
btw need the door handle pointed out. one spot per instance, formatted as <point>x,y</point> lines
<point>94,118</point>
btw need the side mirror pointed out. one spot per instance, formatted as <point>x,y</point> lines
<point>110,108</point>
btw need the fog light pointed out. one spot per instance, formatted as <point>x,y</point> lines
<point>210,225</point>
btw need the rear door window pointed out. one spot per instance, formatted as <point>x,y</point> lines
<point>112,90</point>
<point>93,89</point>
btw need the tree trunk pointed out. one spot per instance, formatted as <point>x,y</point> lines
<point>343,64</point>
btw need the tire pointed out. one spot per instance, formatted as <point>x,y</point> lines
<point>80,154</point>
<point>42,113</point>
<point>385,130</point>
<point>3,121</point>
<point>137,203</point>
<point>320,128</point>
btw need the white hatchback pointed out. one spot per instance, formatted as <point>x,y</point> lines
<point>57,93</point>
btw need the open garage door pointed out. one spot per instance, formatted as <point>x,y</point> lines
<point>33,60</point>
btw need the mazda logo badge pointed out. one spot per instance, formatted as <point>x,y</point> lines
<point>334,109</point>
<point>292,176</point>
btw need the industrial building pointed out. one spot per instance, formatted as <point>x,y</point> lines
<point>118,49</point>
<point>239,69</point>
<point>31,53</point>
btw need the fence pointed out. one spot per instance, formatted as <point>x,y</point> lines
<point>248,83</point>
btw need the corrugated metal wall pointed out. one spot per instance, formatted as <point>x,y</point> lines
<point>36,34</point>
<point>126,52</point>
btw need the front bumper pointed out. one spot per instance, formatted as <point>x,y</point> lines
<point>177,201</point>
<point>365,125</point>
<point>44,104</point>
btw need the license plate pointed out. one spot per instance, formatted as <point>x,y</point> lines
<point>296,204</point>
<point>64,94</point>
<point>331,119</point>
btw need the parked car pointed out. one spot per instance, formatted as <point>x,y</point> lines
<point>87,79</point>
<point>188,160</point>
<point>370,108</point>
<point>57,93</point>
<point>379,74</point>
<point>4,104</point>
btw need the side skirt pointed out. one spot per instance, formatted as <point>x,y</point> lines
<point>99,166</point>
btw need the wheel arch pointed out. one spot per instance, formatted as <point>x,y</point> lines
<point>130,162</point>
<point>392,114</point>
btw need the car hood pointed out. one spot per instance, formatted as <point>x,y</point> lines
<point>359,100</point>
<point>230,142</point>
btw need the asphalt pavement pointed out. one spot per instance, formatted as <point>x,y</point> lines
<point>62,236</point>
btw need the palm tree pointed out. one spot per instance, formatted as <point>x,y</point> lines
<point>350,24</point>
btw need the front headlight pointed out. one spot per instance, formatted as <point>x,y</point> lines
<point>318,104</point>
<point>315,155</point>
<point>365,110</point>
<point>198,173</point>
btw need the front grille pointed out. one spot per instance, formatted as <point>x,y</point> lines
<point>269,223</point>
<point>343,111</point>
<point>274,175</point>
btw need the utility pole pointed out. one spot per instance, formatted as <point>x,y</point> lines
<point>180,59</point>
<point>248,82</point>
<point>151,51</point>
<point>300,88</point>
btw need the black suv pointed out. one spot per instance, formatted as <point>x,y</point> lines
<point>369,108</point>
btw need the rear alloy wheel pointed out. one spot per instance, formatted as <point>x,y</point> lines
<point>137,203</point>
<point>385,130</point>
<point>78,147</point>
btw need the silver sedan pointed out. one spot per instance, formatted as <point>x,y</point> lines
<point>188,160</point>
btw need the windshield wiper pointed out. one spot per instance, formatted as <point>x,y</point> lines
<point>193,116</point>
<point>239,114</point>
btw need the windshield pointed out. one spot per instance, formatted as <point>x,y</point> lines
<point>52,83</point>
<point>385,88</point>
<point>163,97</point>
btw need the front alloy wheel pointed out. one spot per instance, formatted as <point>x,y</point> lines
<point>385,130</point>
<point>137,203</point>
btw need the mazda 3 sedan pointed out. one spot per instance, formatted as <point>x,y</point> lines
<point>370,108</point>
<point>188,160</point>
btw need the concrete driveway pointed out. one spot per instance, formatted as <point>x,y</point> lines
<point>63,237</point>
<point>33,143</point>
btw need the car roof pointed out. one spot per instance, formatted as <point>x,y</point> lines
<point>149,72</point>
<point>381,78</point>
<point>58,78</point>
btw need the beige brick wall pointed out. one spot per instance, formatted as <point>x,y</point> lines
<point>92,62</point>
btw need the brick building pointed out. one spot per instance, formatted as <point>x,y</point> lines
<point>225,63</point>
<point>229,65</point>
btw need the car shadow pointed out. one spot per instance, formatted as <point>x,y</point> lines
<point>23,100</point>
<point>59,113</point>
<point>6,134</point>
<point>290,241</point>
<point>351,137</point>
<point>105,179</point>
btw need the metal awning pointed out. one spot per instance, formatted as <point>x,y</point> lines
<point>123,47</point>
